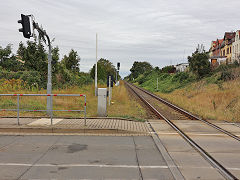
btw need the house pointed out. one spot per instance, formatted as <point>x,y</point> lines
<point>181,67</point>
<point>215,49</point>
<point>226,48</point>
<point>213,44</point>
<point>215,53</point>
<point>236,47</point>
<point>217,60</point>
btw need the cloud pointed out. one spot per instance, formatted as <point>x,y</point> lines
<point>158,31</point>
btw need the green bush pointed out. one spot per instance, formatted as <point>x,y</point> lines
<point>224,67</point>
<point>236,63</point>
<point>66,78</point>
<point>179,77</point>
<point>166,82</point>
<point>226,75</point>
<point>32,78</point>
<point>141,79</point>
<point>163,76</point>
<point>221,68</point>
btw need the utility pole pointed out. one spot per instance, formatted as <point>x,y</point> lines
<point>96,69</point>
<point>49,83</point>
<point>157,84</point>
<point>26,30</point>
<point>109,92</point>
<point>43,33</point>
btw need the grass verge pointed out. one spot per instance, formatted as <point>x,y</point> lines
<point>210,101</point>
<point>121,105</point>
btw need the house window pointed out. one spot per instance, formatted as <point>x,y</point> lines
<point>230,50</point>
<point>224,52</point>
<point>227,50</point>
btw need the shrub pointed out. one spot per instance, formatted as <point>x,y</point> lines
<point>226,76</point>
<point>236,63</point>
<point>31,78</point>
<point>168,69</point>
<point>141,79</point>
<point>67,78</point>
<point>199,64</point>
<point>13,84</point>
<point>163,76</point>
<point>181,76</point>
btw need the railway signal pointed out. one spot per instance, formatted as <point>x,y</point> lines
<point>26,29</point>
<point>112,81</point>
<point>118,66</point>
<point>117,71</point>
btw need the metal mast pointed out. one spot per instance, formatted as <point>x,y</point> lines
<point>96,69</point>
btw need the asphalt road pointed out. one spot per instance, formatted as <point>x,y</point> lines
<point>81,157</point>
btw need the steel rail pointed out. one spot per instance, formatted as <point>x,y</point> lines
<point>191,116</point>
<point>222,170</point>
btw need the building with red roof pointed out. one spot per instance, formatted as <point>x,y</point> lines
<point>215,52</point>
<point>225,50</point>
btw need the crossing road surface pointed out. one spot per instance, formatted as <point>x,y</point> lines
<point>81,157</point>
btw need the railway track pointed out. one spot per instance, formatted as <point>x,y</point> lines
<point>168,112</point>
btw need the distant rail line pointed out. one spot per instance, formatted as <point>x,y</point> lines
<point>168,112</point>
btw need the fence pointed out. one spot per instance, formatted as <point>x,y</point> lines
<point>51,110</point>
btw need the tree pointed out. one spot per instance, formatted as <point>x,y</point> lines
<point>169,69</point>
<point>71,62</point>
<point>140,68</point>
<point>8,61</point>
<point>104,69</point>
<point>34,56</point>
<point>55,58</point>
<point>199,63</point>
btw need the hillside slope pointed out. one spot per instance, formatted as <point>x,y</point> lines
<point>214,97</point>
<point>209,101</point>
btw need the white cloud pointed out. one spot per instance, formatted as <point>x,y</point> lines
<point>158,31</point>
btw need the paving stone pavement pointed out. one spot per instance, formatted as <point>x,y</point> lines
<point>93,126</point>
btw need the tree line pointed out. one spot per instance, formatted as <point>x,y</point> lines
<point>199,66</point>
<point>145,74</point>
<point>31,62</point>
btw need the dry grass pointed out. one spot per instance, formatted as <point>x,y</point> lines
<point>122,105</point>
<point>67,103</point>
<point>210,101</point>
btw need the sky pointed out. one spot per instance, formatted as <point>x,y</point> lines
<point>162,32</point>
